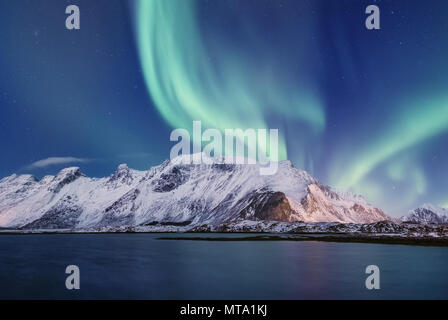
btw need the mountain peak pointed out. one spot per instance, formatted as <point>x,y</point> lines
<point>427,213</point>
<point>203,158</point>
<point>178,192</point>
<point>70,171</point>
<point>434,208</point>
<point>124,175</point>
<point>122,167</point>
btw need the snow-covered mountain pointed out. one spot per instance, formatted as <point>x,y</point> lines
<point>176,193</point>
<point>427,213</point>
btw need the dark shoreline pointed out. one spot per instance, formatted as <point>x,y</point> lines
<point>417,241</point>
<point>267,236</point>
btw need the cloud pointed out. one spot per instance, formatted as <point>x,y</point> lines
<point>55,161</point>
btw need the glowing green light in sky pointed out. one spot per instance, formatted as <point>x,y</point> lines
<point>227,90</point>
<point>415,124</point>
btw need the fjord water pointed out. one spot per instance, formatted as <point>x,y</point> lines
<point>139,266</point>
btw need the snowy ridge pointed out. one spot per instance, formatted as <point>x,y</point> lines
<point>427,213</point>
<point>176,193</point>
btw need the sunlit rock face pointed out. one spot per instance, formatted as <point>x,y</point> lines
<point>321,204</point>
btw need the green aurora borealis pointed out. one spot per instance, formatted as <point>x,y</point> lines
<point>360,110</point>
<point>245,87</point>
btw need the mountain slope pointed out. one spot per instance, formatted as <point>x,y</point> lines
<point>427,213</point>
<point>178,193</point>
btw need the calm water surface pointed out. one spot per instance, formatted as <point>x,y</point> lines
<point>138,266</point>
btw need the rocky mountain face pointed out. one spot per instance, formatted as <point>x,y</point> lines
<point>428,214</point>
<point>176,192</point>
<point>381,228</point>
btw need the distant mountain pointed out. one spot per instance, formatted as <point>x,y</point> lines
<point>175,193</point>
<point>427,213</point>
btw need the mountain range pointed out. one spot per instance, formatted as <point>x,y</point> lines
<point>176,192</point>
<point>427,213</point>
<point>180,193</point>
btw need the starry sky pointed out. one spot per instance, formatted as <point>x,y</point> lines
<point>361,110</point>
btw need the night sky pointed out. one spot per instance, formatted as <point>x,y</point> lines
<point>362,110</point>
